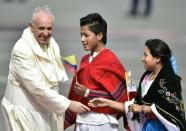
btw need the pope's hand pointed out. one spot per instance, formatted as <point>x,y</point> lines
<point>78,107</point>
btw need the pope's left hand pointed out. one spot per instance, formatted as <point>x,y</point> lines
<point>79,89</point>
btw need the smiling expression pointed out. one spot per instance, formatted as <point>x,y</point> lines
<point>42,28</point>
<point>90,41</point>
<point>150,62</point>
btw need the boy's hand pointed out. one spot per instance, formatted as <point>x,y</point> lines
<point>79,89</point>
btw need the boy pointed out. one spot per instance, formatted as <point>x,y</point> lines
<point>101,74</point>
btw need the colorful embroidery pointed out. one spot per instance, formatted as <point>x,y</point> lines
<point>170,96</point>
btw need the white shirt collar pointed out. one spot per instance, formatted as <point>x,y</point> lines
<point>93,56</point>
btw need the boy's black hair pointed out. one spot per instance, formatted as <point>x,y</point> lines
<point>96,24</point>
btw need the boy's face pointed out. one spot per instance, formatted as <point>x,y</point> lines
<point>89,39</point>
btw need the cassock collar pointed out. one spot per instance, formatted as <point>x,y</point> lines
<point>36,48</point>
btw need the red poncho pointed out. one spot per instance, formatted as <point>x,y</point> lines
<point>104,76</point>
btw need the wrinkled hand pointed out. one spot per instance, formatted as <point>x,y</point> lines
<point>98,102</point>
<point>135,108</point>
<point>78,107</point>
<point>79,89</point>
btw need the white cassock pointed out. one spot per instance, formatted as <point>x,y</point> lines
<point>31,101</point>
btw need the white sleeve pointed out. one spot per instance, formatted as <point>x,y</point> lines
<point>133,124</point>
<point>166,123</point>
<point>127,103</point>
<point>24,67</point>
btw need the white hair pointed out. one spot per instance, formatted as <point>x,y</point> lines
<point>45,9</point>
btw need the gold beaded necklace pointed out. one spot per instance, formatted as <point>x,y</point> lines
<point>152,77</point>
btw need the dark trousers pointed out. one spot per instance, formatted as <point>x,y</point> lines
<point>135,5</point>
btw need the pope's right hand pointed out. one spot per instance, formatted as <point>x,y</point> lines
<point>78,107</point>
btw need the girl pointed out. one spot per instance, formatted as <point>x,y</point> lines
<point>158,104</point>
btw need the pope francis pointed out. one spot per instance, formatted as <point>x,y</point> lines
<point>31,101</point>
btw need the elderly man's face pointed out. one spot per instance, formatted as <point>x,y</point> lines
<point>42,28</point>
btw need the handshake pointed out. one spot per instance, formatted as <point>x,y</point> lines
<point>78,107</point>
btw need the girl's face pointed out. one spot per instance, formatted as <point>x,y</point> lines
<point>150,62</point>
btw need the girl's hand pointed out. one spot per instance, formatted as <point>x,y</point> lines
<point>103,102</point>
<point>135,108</point>
<point>98,102</point>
